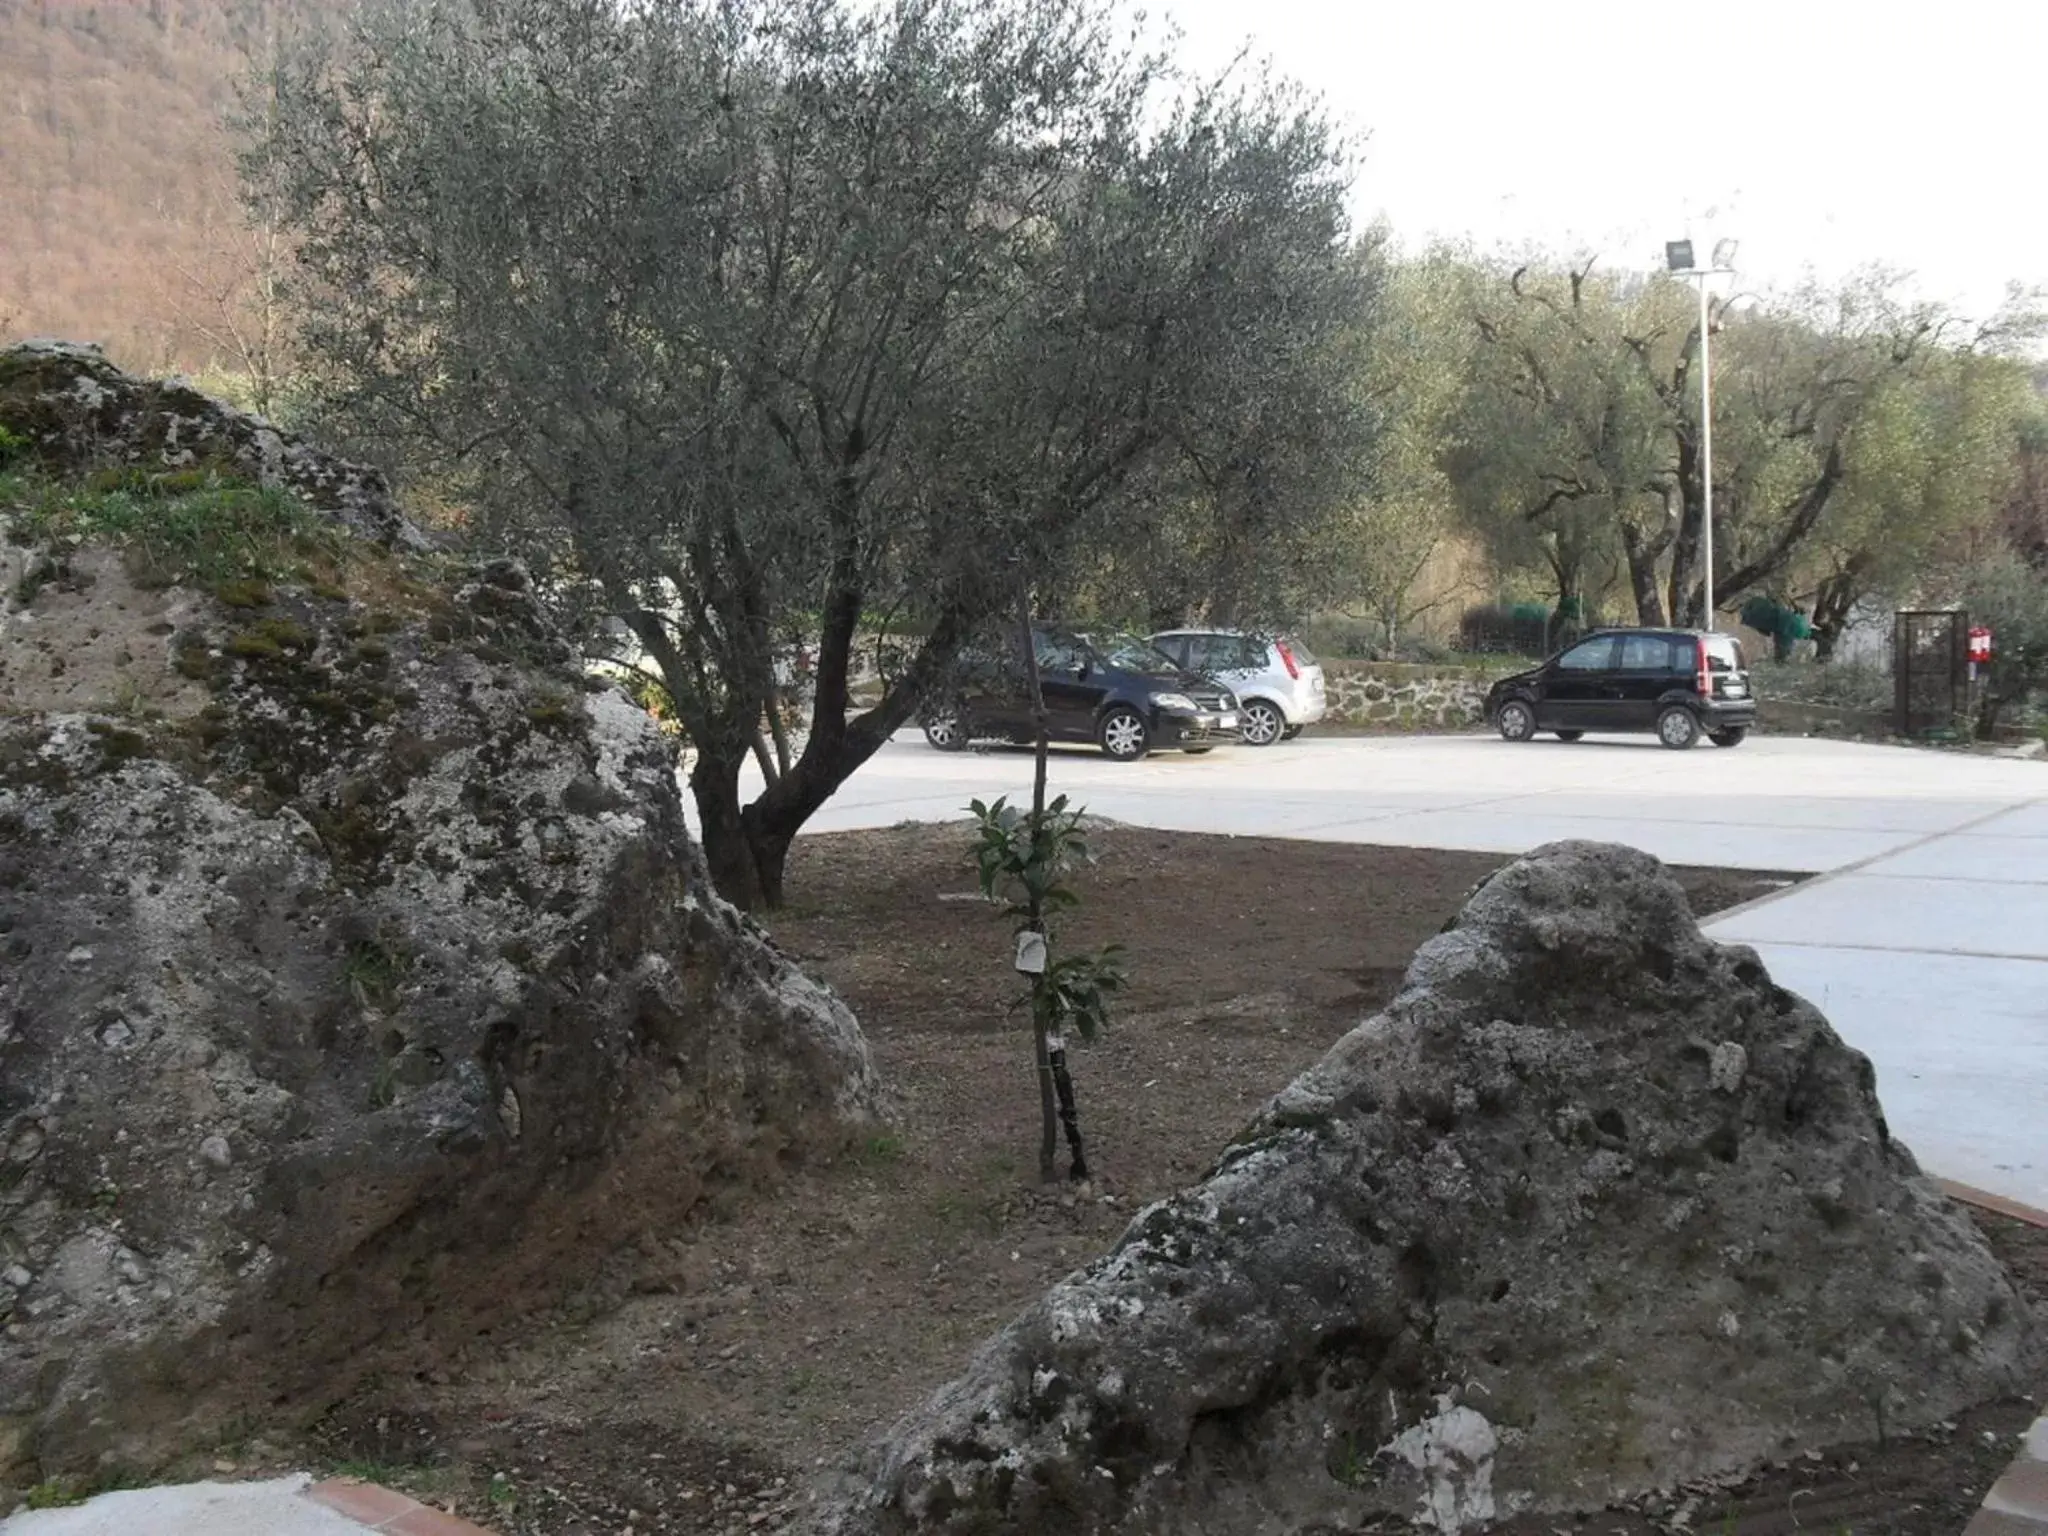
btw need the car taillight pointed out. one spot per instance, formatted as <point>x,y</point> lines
<point>1706,673</point>
<point>1286,658</point>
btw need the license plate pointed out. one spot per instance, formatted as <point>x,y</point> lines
<point>1735,690</point>
<point>1226,722</point>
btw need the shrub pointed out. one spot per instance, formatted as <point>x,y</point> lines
<point>1785,625</point>
<point>1858,685</point>
<point>2012,598</point>
<point>1422,650</point>
<point>1520,629</point>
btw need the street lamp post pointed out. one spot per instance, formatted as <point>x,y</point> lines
<point>1679,258</point>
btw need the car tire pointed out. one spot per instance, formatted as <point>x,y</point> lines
<point>1260,724</point>
<point>1569,735</point>
<point>1122,735</point>
<point>1515,720</point>
<point>1734,736</point>
<point>1292,731</point>
<point>946,729</point>
<point>1678,728</point>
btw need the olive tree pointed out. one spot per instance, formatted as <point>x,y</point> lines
<point>1931,462</point>
<point>758,323</point>
<point>1555,450</point>
<point>1414,372</point>
<point>1585,424</point>
<point>2023,520</point>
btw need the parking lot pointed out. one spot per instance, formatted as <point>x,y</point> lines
<point>1925,942</point>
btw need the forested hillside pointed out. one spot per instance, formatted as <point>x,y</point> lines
<point>118,217</point>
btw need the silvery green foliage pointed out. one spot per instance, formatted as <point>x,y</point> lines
<point>749,319</point>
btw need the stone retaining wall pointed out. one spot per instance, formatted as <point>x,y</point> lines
<point>1406,697</point>
<point>1792,717</point>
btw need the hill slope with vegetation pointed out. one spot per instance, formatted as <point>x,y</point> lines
<point>119,176</point>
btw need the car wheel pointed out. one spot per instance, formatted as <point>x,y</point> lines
<point>1123,735</point>
<point>1678,728</point>
<point>1292,731</point>
<point>1260,723</point>
<point>1569,735</point>
<point>945,729</point>
<point>1516,721</point>
<point>1732,737</point>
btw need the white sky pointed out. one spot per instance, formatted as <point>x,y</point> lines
<point>1820,133</point>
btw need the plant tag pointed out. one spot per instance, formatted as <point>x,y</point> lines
<point>1031,953</point>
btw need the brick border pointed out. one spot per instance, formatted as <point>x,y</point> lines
<point>2017,1504</point>
<point>380,1509</point>
<point>2018,1210</point>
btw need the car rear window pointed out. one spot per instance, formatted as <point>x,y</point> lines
<point>1724,653</point>
<point>1226,653</point>
<point>1301,652</point>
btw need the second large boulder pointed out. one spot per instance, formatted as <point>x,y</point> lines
<point>1592,1208</point>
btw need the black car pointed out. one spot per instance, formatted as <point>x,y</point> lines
<point>1122,693</point>
<point>1680,683</point>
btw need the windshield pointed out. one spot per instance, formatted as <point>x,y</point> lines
<point>1131,654</point>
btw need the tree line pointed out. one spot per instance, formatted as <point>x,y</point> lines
<point>1861,437</point>
<point>763,326</point>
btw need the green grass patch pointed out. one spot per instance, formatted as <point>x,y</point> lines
<point>204,526</point>
<point>372,973</point>
<point>15,489</point>
<point>56,1493</point>
<point>881,1149</point>
<point>396,1475</point>
<point>62,1492</point>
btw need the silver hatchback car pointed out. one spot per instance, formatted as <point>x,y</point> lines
<point>1279,685</point>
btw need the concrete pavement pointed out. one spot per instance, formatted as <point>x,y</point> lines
<point>283,1506</point>
<point>1773,803</point>
<point>1926,942</point>
<point>1933,961</point>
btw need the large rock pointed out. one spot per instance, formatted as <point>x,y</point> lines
<point>1593,1207</point>
<point>80,412</point>
<point>359,988</point>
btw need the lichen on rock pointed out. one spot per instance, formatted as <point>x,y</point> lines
<point>1593,1207</point>
<point>360,987</point>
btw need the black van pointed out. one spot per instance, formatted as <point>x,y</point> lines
<point>1681,684</point>
<point>1122,693</point>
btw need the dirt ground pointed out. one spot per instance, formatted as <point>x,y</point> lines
<point>696,1389</point>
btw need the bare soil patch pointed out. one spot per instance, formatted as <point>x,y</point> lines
<point>699,1387</point>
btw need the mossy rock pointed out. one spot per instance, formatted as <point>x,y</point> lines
<point>243,592</point>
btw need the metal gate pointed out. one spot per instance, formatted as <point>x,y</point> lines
<point>1930,670</point>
